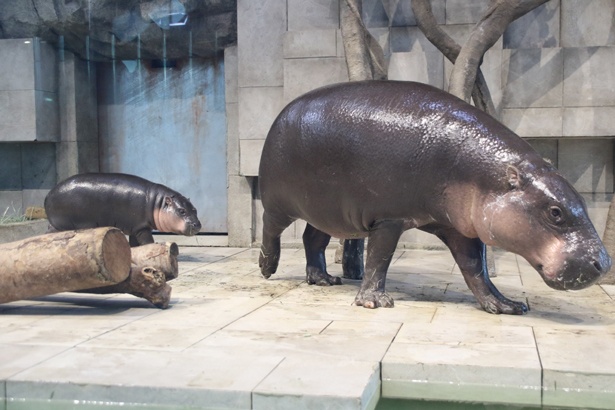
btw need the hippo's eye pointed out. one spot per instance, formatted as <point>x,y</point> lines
<point>556,214</point>
<point>182,212</point>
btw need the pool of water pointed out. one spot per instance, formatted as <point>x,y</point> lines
<point>383,404</point>
<point>393,404</point>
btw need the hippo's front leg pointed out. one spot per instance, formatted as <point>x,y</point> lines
<point>382,240</point>
<point>142,237</point>
<point>470,255</point>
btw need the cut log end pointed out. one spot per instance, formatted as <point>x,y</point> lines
<point>116,256</point>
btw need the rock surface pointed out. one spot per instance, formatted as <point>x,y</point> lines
<point>100,30</point>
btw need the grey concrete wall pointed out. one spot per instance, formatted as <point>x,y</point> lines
<point>28,85</point>
<point>27,173</point>
<point>550,75</point>
<point>59,119</point>
<point>77,149</point>
<point>168,125</point>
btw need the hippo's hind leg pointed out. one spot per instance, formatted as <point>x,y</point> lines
<point>381,244</point>
<point>315,243</point>
<point>273,226</point>
<point>470,255</point>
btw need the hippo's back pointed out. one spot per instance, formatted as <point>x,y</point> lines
<point>352,150</point>
<point>90,200</point>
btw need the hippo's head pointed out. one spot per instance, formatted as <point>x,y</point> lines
<point>177,215</point>
<point>542,217</point>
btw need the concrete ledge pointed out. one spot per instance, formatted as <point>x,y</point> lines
<point>21,230</point>
<point>233,340</point>
<point>197,240</point>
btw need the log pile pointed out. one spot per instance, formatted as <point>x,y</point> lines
<point>153,265</point>
<point>96,260</point>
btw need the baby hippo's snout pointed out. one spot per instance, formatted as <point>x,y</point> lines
<point>192,227</point>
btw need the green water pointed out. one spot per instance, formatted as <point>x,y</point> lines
<point>393,404</point>
<point>383,404</point>
<point>88,405</point>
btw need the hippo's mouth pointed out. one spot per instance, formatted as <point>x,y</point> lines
<point>567,281</point>
<point>192,230</point>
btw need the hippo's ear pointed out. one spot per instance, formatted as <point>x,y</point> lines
<point>168,200</point>
<point>513,176</point>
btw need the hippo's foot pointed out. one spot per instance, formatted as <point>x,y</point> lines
<point>502,305</point>
<point>373,299</point>
<point>268,263</point>
<point>315,276</point>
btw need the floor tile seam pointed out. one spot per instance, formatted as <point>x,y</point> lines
<point>607,293</point>
<point>435,311</point>
<point>153,312</point>
<point>203,264</point>
<point>386,351</point>
<point>9,378</point>
<point>542,368</point>
<point>399,257</point>
<point>189,270</point>
<point>325,328</point>
<point>236,319</point>
<point>254,390</point>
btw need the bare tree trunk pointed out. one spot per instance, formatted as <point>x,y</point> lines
<point>447,46</point>
<point>365,61</point>
<point>364,56</point>
<point>467,79</point>
<point>487,31</point>
<point>484,35</point>
<point>451,50</point>
<point>61,262</point>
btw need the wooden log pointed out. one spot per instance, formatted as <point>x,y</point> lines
<point>162,256</point>
<point>152,266</point>
<point>61,262</point>
<point>144,282</point>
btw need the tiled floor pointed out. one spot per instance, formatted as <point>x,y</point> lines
<point>235,340</point>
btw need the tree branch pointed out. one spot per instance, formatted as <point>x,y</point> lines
<point>527,6</point>
<point>449,47</point>
<point>484,35</point>
<point>364,56</point>
<point>429,26</point>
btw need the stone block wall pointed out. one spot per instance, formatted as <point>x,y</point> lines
<point>550,75</point>
<point>27,173</point>
<point>28,84</point>
<point>29,123</point>
<point>48,123</point>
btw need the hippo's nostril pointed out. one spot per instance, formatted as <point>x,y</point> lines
<point>597,266</point>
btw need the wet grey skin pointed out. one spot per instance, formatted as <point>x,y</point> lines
<point>133,204</point>
<point>373,159</point>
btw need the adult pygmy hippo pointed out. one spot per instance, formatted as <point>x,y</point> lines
<point>373,159</point>
<point>133,204</point>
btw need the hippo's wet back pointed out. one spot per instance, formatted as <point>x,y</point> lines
<point>373,159</point>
